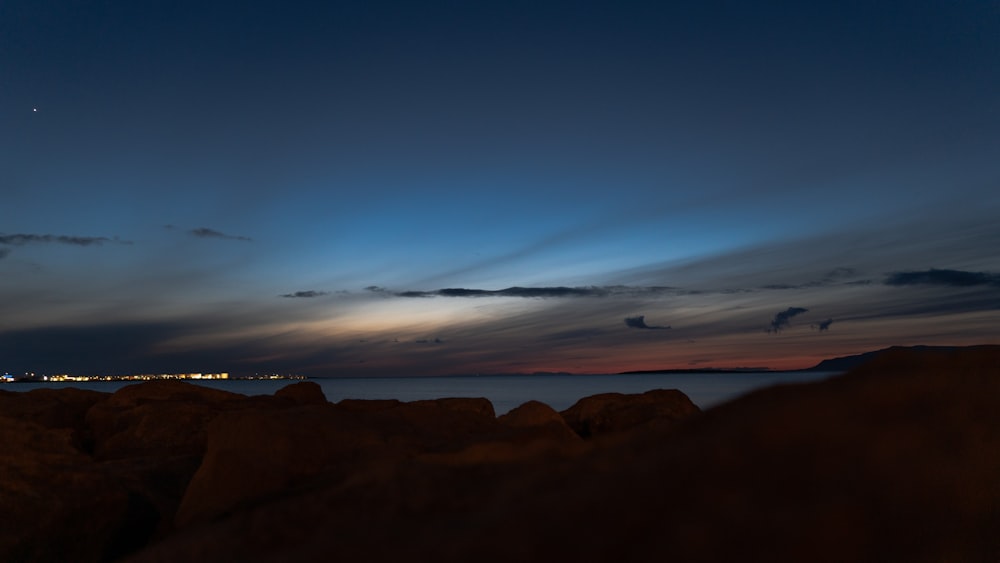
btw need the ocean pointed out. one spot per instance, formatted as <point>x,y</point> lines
<point>506,392</point>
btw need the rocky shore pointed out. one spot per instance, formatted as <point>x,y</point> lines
<point>897,460</point>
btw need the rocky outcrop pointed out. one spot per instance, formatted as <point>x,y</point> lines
<point>616,412</point>
<point>52,408</point>
<point>90,476</point>
<point>163,456</point>
<point>541,420</point>
<point>58,504</point>
<point>886,463</point>
<point>253,454</point>
<point>160,418</point>
<point>303,393</point>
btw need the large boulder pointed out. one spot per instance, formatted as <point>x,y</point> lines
<point>58,504</point>
<point>52,408</point>
<point>531,432</point>
<point>159,418</point>
<point>89,476</point>
<point>617,412</point>
<point>540,418</point>
<point>303,393</point>
<point>253,455</point>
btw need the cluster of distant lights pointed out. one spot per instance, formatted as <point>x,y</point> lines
<point>9,377</point>
<point>126,377</point>
<point>140,377</point>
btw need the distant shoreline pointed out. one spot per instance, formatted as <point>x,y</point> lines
<point>711,370</point>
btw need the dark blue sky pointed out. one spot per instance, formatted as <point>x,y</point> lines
<point>252,186</point>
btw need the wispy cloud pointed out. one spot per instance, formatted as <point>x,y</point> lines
<point>204,232</point>
<point>949,278</point>
<point>21,239</point>
<point>824,326</point>
<point>306,294</point>
<point>639,321</point>
<point>783,319</point>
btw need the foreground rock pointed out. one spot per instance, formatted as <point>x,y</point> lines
<point>884,464</point>
<point>89,476</point>
<point>254,454</point>
<point>616,412</point>
<point>896,461</point>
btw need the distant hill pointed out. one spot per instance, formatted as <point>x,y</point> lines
<point>844,363</point>
<point>850,362</point>
<point>700,370</point>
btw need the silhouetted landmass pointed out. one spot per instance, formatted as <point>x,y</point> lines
<point>845,363</point>
<point>702,370</point>
<point>895,460</point>
<point>840,364</point>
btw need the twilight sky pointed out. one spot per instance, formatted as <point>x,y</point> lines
<point>396,187</point>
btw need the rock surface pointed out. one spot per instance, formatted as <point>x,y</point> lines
<point>898,460</point>
<point>883,464</point>
<point>616,412</point>
<point>303,393</point>
<point>90,476</point>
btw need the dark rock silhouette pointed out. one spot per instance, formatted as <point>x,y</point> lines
<point>160,418</point>
<point>846,363</point>
<point>616,412</point>
<point>52,408</point>
<point>884,464</point>
<point>303,393</point>
<point>539,417</point>
<point>255,454</point>
<point>90,476</point>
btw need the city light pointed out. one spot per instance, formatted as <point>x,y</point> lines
<point>62,377</point>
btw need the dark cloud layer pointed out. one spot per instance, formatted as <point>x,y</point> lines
<point>306,294</point>
<point>511,292</point>
<point>92,349</point>
<point>782,319</point>
<point>949,278</point>
<point>204,232</point>
<point>639,321</point>
<point>21,239</point>
<point>529,292</point>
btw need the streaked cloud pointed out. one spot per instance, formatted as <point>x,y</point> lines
<point>305,294</point>
<point>639,321</point>
<point>205,232</point>
<point>949,278</point>
<point>22,239</point>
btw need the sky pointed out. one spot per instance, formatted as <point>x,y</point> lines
<point>452,187</point>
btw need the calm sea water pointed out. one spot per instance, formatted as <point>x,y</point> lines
<point>504,391</point>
